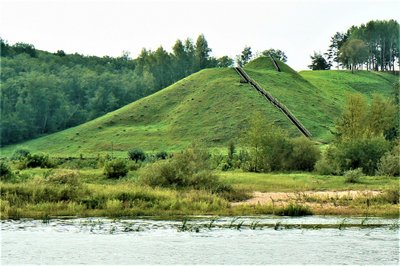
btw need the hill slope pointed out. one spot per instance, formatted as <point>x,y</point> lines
<point>212,107</point>
<point>316,97</point>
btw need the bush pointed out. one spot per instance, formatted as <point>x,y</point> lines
<point>5,171</point>
<point>294,210</point>
<point>389,164</point>
<point>269,146</point>
<point>137,155</point>
<point>304,154</point>
<point>362,153</point>
<point>133,166</point>
<point>79,163</point>
<point>327,164</point>
<point>162,155</point>
<point>116,168</point>
<point>353,176</point>
<point>38,160</point>
<point>188,169</point>
<point>63,177</point>
<point>20,154</point>
<point>392,195</point>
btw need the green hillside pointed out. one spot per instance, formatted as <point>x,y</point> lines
<point>213,107</point>
<point>316,97</point>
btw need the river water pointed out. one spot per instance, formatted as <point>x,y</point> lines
<point>226,240</point>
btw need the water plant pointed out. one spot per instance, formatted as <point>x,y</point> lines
<point>294,209</point>
<point>363,222</point>
<point>209,226</point>
<point>184,226</point>
<point>277,225</point>
<point>233,221</point>
<point>342,224</point>
<point>253,225</point>
<point>239,225</point>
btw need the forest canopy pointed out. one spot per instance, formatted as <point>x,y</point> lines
<point>374,45</point>
<point>44,92</point>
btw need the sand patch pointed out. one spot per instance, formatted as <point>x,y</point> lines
<point>281,197</point>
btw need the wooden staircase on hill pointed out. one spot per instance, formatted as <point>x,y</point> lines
<point>246,78</point>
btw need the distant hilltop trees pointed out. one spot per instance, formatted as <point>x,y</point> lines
<point>370,46</point>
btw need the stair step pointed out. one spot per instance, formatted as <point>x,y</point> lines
<point>273,100</point>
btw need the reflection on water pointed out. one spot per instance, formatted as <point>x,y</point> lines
<point>260,240</point>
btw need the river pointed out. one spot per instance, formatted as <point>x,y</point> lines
<point>203,240</point>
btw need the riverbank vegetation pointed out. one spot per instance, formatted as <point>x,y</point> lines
<point>39,193</point>
<point>247,179</point>
<point>187,183</point>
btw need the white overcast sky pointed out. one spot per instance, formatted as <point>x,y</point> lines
<point>110,27</point>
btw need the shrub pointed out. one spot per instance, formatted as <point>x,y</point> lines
<point>115,169</point>
<point>294,210</point>
<point>327,164</point>
<point>5,171</point>
<point>79,163</point>
<point>389,164</point>
<point>392,195</point>
<point>63,177</point>
<point>160,174</point>
<point>269,146</point>
<point>137,155</point>
<point>20,154</point>
<point>188,169</point>
<point>38,160</point>
<point>323,167</point>
<point>133,166</point>
<point>353,176</point>
<point>304,154</point>
<point>362,153</point>
<point>225,165</point>
<point>162,155</point>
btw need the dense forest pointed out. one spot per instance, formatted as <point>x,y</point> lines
<point>370,46</point>
<point>43,92</point>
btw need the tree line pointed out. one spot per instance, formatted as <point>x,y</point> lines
<point>373,46</point>
<point>44,92</point>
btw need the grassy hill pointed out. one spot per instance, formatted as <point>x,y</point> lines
<point>316,97</point>
<point>213,107</point>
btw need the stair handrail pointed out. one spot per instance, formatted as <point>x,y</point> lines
<point>275,102</point>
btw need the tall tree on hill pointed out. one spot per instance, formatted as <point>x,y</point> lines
<point>276,53</point>
<point>337,41</point>
<point>202,52</point>
<point>143,61</point>
<point>161,67</point>
<point>225,61</point>
<point>179,58</point>
<point>245,56</point>
<point>4,47</point>
<point>353,53</point>
<point>381,38</point>
<point>190,55</point>
<point>318,62</point>
<point>27,48</point>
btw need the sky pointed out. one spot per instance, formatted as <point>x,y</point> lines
<point>110,27</point>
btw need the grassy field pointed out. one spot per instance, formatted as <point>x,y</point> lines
<point>301,182</point>
<point>35,193</point>
<point>213,107</point>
